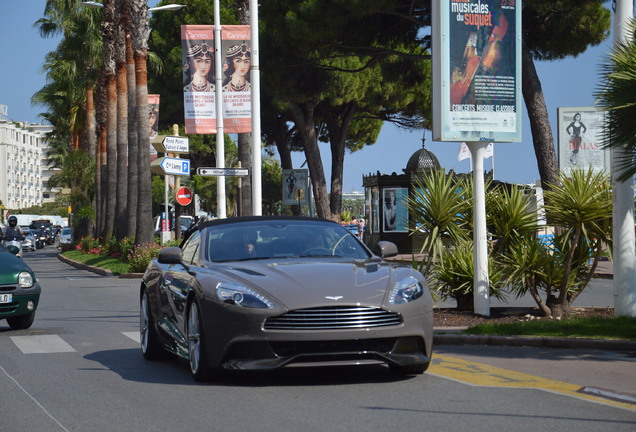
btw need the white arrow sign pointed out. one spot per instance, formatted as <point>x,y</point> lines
<point>171,166</point>
<point>173,144</point>
<point>238,172</point>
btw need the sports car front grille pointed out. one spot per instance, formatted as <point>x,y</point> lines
<point>343,317</point>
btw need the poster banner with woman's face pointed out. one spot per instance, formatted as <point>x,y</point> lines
<point>197,43</point>
<point>580,137</point>
<point>394,210</point>
<point>237,89</point>
<point>153,122</point>
<point>477,70</point>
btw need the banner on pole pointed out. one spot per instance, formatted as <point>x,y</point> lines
<point>153,121</point>
<point>237,89</point>
<point>197,43</point>
<point>199,89</point>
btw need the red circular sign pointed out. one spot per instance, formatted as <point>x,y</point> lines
<point>183,196</point>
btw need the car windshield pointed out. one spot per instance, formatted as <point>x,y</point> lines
<point>280,239</point>
<point>66,231</point>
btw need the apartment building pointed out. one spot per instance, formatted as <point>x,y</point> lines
<point>23,165</point>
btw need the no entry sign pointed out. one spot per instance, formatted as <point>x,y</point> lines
<point>183,196</point>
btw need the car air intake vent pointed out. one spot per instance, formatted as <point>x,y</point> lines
<point>343,317</point>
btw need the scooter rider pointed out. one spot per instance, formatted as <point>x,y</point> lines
<point>12,232</point>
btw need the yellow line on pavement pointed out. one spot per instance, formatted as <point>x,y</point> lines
<point>479,374</point>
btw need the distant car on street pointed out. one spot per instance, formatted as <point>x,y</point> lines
<point>64,237</point>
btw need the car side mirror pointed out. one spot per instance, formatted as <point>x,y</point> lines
<point>170,255</point>
<point>386,249</point>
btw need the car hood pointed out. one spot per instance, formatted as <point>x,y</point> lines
<point>301,284</point>
<point>11,266</point>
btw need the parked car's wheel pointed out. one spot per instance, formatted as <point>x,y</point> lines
<point>21,322</point>
<point>150,346</point>
<point>197,354</point>
<point>410,369</point>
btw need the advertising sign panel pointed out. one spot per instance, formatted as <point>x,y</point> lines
<point>295,187</point>
<point>477,70</point>
<point>580,136</point>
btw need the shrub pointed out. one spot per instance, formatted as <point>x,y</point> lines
<point>139,258</point>
<point>88,245</point>
<point>126,246</point>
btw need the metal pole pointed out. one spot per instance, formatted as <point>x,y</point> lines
<point>255,77</point>
<point>220,137</point>
<point>481,301</point>
<point>623,202</point>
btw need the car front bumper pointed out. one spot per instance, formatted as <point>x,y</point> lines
<point>245,344</point>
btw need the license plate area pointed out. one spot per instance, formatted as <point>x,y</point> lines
<point>6,298</point>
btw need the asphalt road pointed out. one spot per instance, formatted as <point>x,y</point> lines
<point>79,368</point>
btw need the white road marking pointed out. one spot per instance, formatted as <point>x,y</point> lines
<point>133,335</point>
<point>41,344</point>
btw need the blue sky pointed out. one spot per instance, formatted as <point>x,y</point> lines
<point>566,83</point>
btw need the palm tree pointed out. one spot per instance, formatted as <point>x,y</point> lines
<point>434,209</point>
<point>617,95</point>
<point>140,33</point>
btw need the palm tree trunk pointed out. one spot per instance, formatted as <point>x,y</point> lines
<point>121,208</point>
<point>108,33</point>
<point>133,151</point>
<point>140,33</point>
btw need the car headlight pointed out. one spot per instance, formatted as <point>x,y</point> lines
<point>25,280</point>
<point>241,296</point>
<point>406,290</point>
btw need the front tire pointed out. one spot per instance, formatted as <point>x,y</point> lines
<point>197,354</point>
<point>150,346</point>
<point>21,322</point>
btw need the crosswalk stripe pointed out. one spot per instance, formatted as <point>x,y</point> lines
<point>133,335</point>
<point>41,344</point>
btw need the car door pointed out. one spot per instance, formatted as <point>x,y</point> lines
<point>177,283</point>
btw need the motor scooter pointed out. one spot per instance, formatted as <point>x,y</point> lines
<point>13,245</point>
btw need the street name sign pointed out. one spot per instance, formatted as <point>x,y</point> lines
<point>173,144</point>
<point>216,172</point>
<point>171,166</point>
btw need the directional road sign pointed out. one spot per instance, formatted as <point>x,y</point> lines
<point>171,166</point>
<point>216,172</point>
<point>173,144</point>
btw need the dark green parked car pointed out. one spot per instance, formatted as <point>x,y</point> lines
<point>19,291</point>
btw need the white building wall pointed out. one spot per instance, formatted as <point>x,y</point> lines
<point>21,153</point>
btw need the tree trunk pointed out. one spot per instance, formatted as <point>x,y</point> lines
<point>542,138</point>
<point>111,160</point>
<point>338,127</point>
<point>140,32</point>
<point>245,157</point>
<point>303,116</point>
<point>108,35</point>
<point>121,208</point>
<point>133,150</point>
<point>244,139</point>
<point>281,140</point>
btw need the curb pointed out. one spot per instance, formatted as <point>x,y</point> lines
<point>97,270</point>
<point>537,342</point>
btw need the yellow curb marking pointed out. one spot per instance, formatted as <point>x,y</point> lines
<point>479,374</point>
